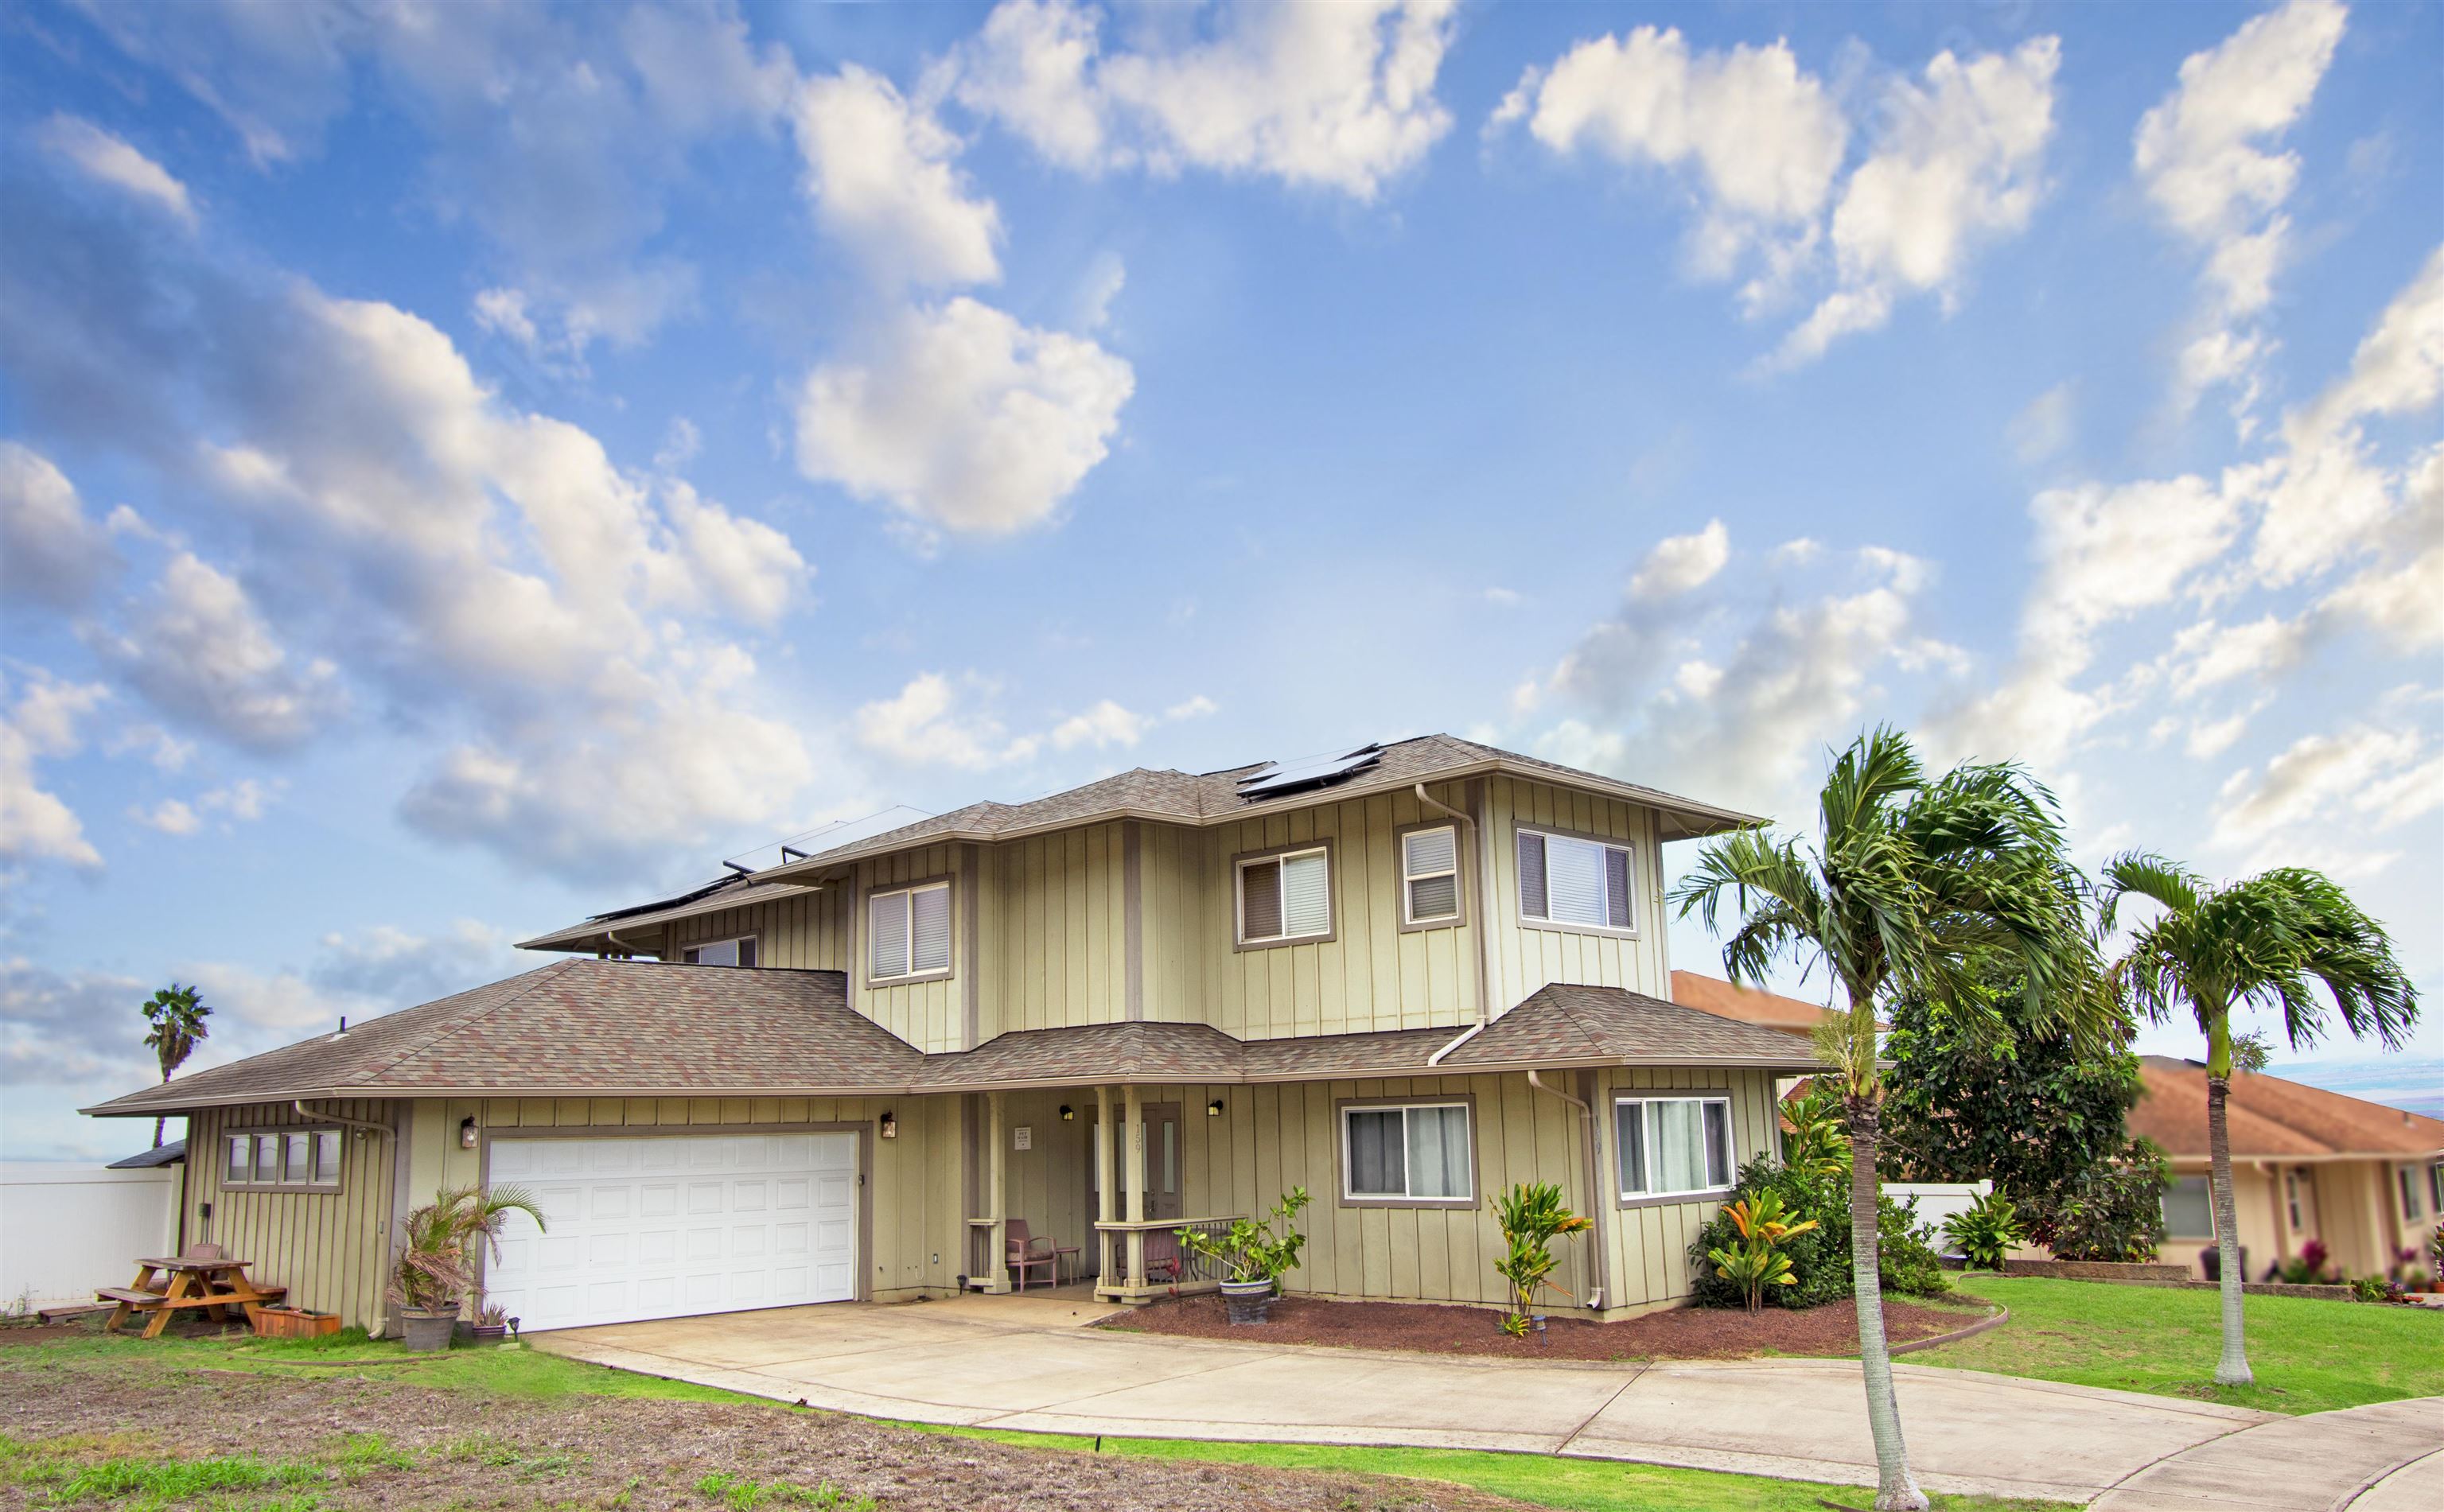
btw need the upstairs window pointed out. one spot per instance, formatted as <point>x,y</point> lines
<point>1430,876</point>
<point>908,933</point>
<point>1286,896</point>
<point>1574,881</point>
<point>1672,1147</point>
<point>740,951</point>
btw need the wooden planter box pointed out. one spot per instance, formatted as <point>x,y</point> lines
<point>294,1323</point>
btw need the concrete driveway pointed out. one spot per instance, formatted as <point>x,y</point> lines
<point>1028,1364</point>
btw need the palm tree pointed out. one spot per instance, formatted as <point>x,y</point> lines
<point>2256,942</point>
<point>1909,881</point>
<point>176,1015</point>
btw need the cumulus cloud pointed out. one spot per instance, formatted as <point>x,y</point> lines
<point>1334,97</point>
<point>925,724</point>
<point>70,1028</point>
<point>43,724</point>
<point>882,174</point>
<point>1106,724</point>
<point>1955,163</point>
<point>2045,429</point>
<point>1678,564</point>
<point>201,651</point>
<point>171,817</point>
<point>2364,779</point>
<point>962,419</point>
<point>2205,158</point>
<point>108,159</point>
<point>50,554</point>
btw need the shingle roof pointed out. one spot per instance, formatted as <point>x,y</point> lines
<point>637,1028</point>
<point>738,892</point>
<point>2269,1118</point>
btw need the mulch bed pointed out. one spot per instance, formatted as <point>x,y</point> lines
<point>460,1450</point>
<point>1684,1333</point>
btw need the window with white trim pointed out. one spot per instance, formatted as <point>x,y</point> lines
<point>1286,897</point>
<point>1414,1151</point>
<point>2189,1210</point>
<point>1671,1147</point>
<point>1430,876</point>
<point>740,951</point>
<point>908,932</point>
<point>288,1161</point>
<point>2409,1192</point>
<point>1568,880</point>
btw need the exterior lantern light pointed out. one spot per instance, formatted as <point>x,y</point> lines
<point>1067,1113</point>
<point>1213,1108</point>
<point>467,1133</point>
<point>890,1126</point>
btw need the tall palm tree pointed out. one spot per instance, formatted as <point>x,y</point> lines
<point>1909,880</point>
<point>2256,942</point>
<point>176,1015</point>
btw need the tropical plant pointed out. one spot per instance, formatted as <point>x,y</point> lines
<point>1820,1258</point>
<point>2258,942</point>
<point>1908,878</point>
<point>1531,1216</point>
<point>1250,1250</point>
<point>2114,1210</point>
<point>1813,1141</point>
<point>1757,1260</point>
<point>175,1017</point>
<point>444,1240</point>
<point>2306,1269</point>
<point>1987,1231</point>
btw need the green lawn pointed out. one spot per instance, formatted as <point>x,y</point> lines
<point>2309,1356</point>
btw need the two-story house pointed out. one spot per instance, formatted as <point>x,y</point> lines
<point>1403,978</point>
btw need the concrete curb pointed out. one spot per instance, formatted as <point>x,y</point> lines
<point>2002,1316</point>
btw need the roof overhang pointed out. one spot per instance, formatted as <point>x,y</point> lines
<point>603,930</point>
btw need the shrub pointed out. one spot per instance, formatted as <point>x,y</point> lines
<point>1757,1263</point>
<point>2115,1211</point>
<point>1819,1257</point>
<point>2309,1267</point>
<point>1906,1256</point>
<point>1987,1231</point>
<point>1531,1217</point>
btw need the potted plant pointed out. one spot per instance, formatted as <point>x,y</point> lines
<point>442,1240</point>
<point>492,1321</point>
<point>1531,1217</point>
<point>1253,1257</point>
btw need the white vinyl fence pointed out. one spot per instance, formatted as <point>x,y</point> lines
<point>1935,1201</point>
<point>67,1229</point>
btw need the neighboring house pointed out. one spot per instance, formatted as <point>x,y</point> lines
<point>1729,1000</point>
<point>2364,1179</point>
<point>1404,978</point>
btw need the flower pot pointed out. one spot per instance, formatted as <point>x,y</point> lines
<point>294,1323</point>
<point>428,1328</point>
<point>488,1332</point>
<point>1248,1302</point>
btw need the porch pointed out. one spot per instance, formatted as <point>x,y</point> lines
<point>1134,1154</point>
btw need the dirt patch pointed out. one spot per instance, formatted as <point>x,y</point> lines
<point>1685,1333</point>
<point>446,1448</point>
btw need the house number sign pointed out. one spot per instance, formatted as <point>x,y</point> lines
<point>1023,1136</point>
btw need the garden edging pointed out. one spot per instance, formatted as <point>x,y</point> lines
<point>2001,1315</point>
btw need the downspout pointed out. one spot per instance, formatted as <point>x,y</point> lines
<point>1484,973</point>
<point>1586,1126</point>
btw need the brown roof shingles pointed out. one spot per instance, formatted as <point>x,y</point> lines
<point>612,1028</point>
<point>2268,1117</point>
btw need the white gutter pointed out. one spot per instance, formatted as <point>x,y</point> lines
<point>1484,902</point>
<point>1595,1197</point>
<point>319,1115</point>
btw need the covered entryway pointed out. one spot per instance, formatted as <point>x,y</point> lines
<point>642,1227</point>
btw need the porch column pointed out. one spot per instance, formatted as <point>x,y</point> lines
<point>1137,1183</point>
<point>1106,1202</point>
<point>995,1208</point>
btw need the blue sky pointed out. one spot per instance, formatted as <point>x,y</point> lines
<point>467,467</point>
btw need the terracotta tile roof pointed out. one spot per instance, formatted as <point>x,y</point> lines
<point>650,1028</point>
<point>2269,1118</point>
<point>1711,994</point>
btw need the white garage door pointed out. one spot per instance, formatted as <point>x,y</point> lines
<point>669,1225</point>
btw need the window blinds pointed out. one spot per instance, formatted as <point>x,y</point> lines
<point>1307,897</point>
<point>1260,901</point>
<point>930,929</point>
<point>1532,899</point>
<point>1573,881</point>
<point>1430,862</point>
<point>887,934</point>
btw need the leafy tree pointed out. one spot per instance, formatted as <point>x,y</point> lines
<point>2035,1113</point>
<point>1908,879</point>
<point>175,1016</point>
<point>2261,943</point>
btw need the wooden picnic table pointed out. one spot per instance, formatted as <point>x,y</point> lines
<point>165,1284</point>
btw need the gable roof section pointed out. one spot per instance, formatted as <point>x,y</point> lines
<point>650,1028</point>
<point>2271,1119</point>
<point>1729,1000</point>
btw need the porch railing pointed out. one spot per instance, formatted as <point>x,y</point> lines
<point>1139,1261</point>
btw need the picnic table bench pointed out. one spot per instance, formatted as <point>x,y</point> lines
<point>165,1286</point>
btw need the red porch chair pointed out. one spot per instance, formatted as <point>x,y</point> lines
<point>1022,1251</point>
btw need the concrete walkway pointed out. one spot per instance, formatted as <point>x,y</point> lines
<point>2385,1458</point>
<point>1028,1364</point>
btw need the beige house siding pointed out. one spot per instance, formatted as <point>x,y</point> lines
<point>930,1015</point>
<point>2353,1207</point>
<point>1055,931</point>
<point>1175,912</point>
<point>1650,1245</point>
<point>807,933</point>
<point>330,1249</point>
<point>1526,958</point>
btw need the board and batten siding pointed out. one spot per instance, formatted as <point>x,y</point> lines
<point>1650,1245</point>
<point>1527,958</point>
<point>1371,974</point>
<point>931,1015</point>
<point>807,932</point>
<point>331,1249</point>
<point>1055,926</point>
<point>917,1225</point>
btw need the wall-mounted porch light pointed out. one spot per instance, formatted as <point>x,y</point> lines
<point>467,1133</point>
<point>1213,1108</point>
<point>890,1127</point>
<point>1067,1113</point>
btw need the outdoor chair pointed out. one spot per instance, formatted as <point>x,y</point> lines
<point>1162,1257</point>
<point>1022,1251</point>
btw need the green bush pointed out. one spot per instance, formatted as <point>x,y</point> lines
<point>1820,1258</point>
<point>2116,1211</point>
<point>1905,1253</point>
<point>1987,1231</point>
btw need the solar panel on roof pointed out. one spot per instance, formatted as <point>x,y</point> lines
<point>1314,771</point>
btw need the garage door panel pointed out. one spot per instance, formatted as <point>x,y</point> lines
<point>667,1225</point>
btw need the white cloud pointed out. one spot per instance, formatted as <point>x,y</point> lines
<point>1197,706</point>
<point>880,171</point>
<point>2045,429</point>
<point>170,816</point>
<point>1104,724</point>
<point>2364,780</point>
<point>2203,159</point>
<point>1958,165</point>
<point>1680,564</point>
<point>923,726</point>
<point>242,800</point>
<point>1503,597</point>
<point>1337,96</point>
<point>963,419</point>
<point>49,553</point>
<point>2401,594</point>
<point>41,725</point>
<point>199,650</point>
<point>109,159</point>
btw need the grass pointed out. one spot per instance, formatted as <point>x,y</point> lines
<point>740,1494</point>
<point>1540,1480</point>
<point>2310,1355</point>
<point>121,1469</point>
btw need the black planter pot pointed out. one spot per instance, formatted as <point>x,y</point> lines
<point>428,1331</point>
<point>1248,1302</point>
